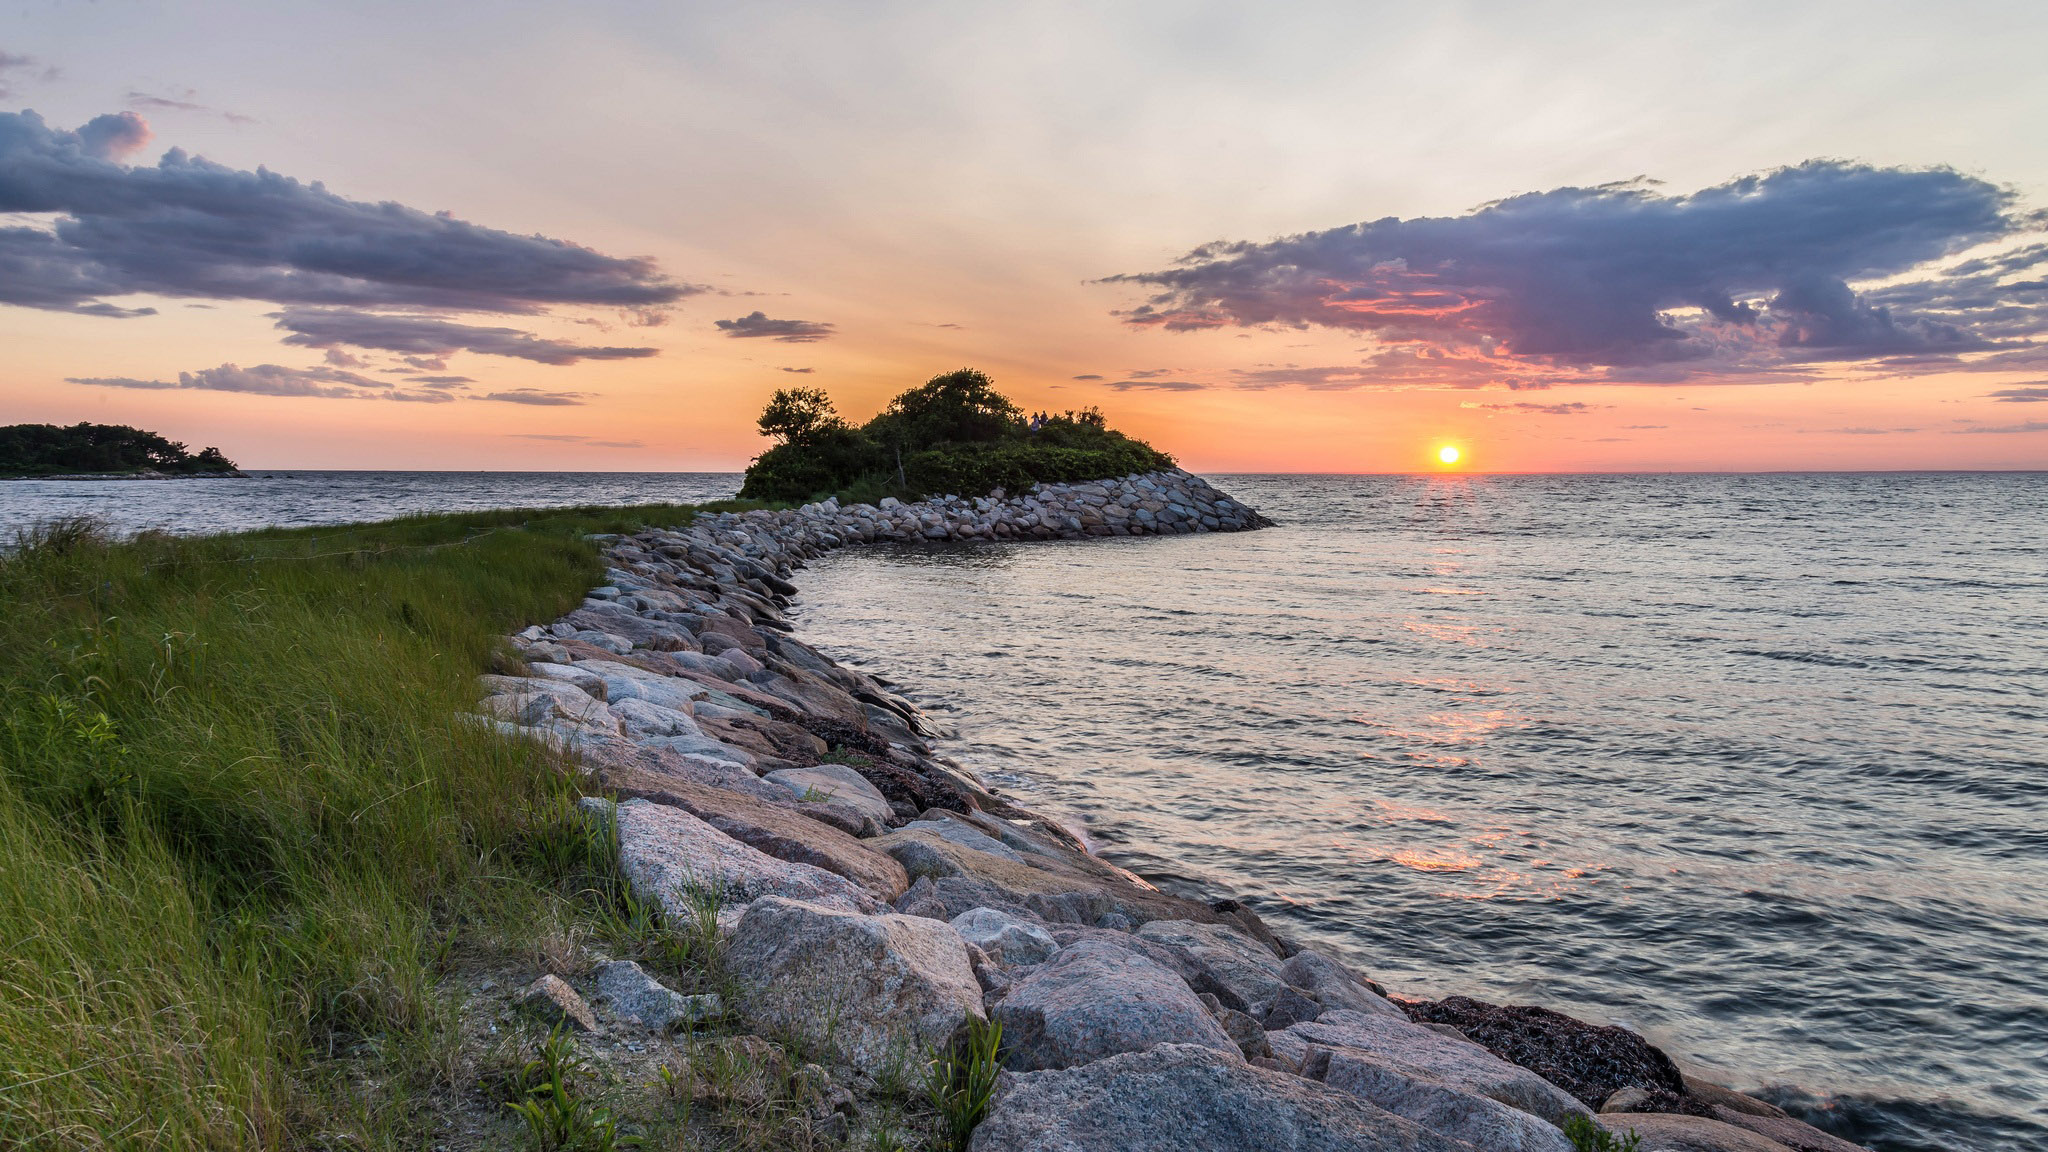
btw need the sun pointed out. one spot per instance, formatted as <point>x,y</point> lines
<point>1448,454</point>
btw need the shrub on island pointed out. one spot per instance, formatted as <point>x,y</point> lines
<point>953,434</point>
<point>50,450</point>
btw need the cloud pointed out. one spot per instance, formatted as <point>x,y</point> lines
<point>2025,394</point>
<point>17,62</point>
<point>800,371</point>
<point>441,381</point>
<point>1088,376</point>
<point>757,324</point>
<point>1642,427</point>
<point>534,396</point>
<point>1861,431</point>
<point>566,438</point>
<point>1157,385</point>
<point>1632,285</point>
<point>188,227</point>
<point>1569,408</point>
<point>1148,373</point>
<point>2000,429</point>
<point>427,336</point>
<point>274,380</point>
<point>169,104</point>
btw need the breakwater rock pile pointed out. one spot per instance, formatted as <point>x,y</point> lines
<point>874,899</point>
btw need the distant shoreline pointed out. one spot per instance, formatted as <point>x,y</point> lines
<point>143,475</point>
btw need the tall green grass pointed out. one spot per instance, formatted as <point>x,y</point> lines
<point>242,827</point>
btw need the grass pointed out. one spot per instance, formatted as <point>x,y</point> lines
<point>243,833</point>
<point>1587,1136</point>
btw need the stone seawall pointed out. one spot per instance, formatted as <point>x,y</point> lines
<point>874,897</point>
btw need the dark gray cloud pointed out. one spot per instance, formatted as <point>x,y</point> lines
<point>188,227</point>
<point>2036,393</point>
<point>1644,287</point>
<point>757,324</point>
<point>432,337</point>
<point>441,381</point>
<point>275,380</point>
<point>1568,408</point>
<point>1157,385</point>
<point>534,396</point>
<point>2007,429</point>
<point>1089,376</point>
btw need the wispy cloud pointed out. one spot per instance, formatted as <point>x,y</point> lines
<point>1569,408</point>
<point>2005,429</point>
<point>568,438</point>
<point>799,371</point>
<point>1633,285</point>
<point>156,103</point>
<point>15,66</point>
<point>2024,394</point>
<point>535,396</point>
<point>428,336</point>
<point>275,380</point>
<point>758,325</point>
<point>1157,385</point>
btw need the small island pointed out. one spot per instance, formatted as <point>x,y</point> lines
<point>94,450</point>
<point>954,434</point>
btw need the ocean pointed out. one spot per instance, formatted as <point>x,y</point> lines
<point>1754,764</point>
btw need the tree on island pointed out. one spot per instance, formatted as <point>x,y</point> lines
<point>953,434</point>
<point>50,450</point>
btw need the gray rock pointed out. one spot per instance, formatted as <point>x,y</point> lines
<point>1244,966</point>
<point>1419,1052</point>
<point>1437,1106</point>
<point>1094,999</point>
<point>1008,939</point>
<point>1186,1098</point>
<point>1245,1031</point>
<point>1288,1008</point>
<point>1334,986</point>
<point>666,853</point>
<point>1664,1132</point>
<point>634,995</point>
<point>966,836</point>
<point>643,718</point>
<point>833,784</point>
<point>869,989</point>
<point>551,1000</point>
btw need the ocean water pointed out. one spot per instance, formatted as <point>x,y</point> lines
<point>1757,765</point>
<point>296,499</point>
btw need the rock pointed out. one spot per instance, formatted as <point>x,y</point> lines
<point>1334,986</point>
<point>1092,1000</point>
<point>960,832</point>
<point>634,995</point>
<point>783,830</point>
<point>833,784</point>
<point>1288,1008</point>
<point>1437,1106</point>
<point>1188,1098</point>
<point>869,989</point>
<point>1419,1052</point>
<point>1244,1031</point>
<point>1629,1099</point>
<point>1794,1134</point>
<point>1590,1061</point>
<point>1070,888</point>
<point>1009,940</point>
<point>1667,1133</point>
<point>1247,968</point>
<point>666,853</point>
<point>1710,1093</point>
<point>644,718</point>
<point>551,1000</point>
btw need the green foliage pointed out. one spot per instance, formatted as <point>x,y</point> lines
<point>558,1118</point>
<point>962,1079</point>
<point>1586,1136</point>
<point>954,434</point>
<point>243,828</point>
<point>47,449</point>
<point>799,415</point>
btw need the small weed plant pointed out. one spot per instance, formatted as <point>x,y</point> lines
<point>557,1118</point>
<point>962,1079</point>
<point>1587,1136</point>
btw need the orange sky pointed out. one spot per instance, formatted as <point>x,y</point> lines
<point>946,185</point>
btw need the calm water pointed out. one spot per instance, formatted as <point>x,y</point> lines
<point>1757,765</point>
<point>291,499</point>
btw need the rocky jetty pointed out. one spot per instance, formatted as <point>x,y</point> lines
<point>875,898</point>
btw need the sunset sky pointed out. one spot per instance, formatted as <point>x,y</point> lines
<point>1267,237</point>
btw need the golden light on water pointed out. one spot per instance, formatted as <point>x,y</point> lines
<point>1448,454</point>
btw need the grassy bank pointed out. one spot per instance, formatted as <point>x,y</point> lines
<point>242,833</point>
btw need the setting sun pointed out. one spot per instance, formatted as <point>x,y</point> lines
<point>1447,454</point>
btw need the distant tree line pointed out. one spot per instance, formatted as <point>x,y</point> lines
<point>51,450</point>
<point>953,434</point>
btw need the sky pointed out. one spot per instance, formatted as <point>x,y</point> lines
<point>1308,237</point>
